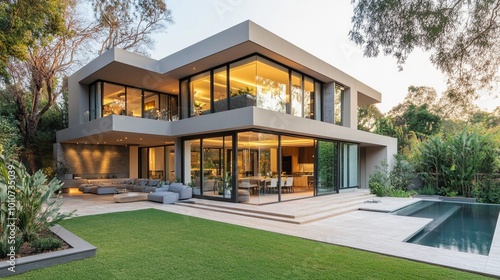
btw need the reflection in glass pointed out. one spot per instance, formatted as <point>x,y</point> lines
<point>308,98</point>
<point>327,168</point>
<point>272,83</point>
<point>220,89</point>
<point>156,163</point>
<point>113,100</point>
<point>349,165</point>
<point>243,82</point>
<point>134,102</point>
<point>296,95</point>
<point>200,94</point>
<point>339,94</point>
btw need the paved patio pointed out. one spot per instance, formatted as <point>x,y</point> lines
<point>372,230</point>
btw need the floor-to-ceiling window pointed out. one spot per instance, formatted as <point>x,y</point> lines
<point>327,167</point>
<point>270,167</point>
<point>211,163</point>
<point>157,163</point>
<point>350,166</point>
<point>258,163</point>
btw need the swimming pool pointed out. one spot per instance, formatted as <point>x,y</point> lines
<point>463,227</point>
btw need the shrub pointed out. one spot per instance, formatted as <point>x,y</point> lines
<point>380,182</point>
<point>403,173</point>
<point>487,191</point>
<point>31,200</point>
<point>427,190</point>
<point>45,244</point>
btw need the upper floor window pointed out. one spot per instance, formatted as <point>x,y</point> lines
<point>112,99</point>
<point>253,81</point>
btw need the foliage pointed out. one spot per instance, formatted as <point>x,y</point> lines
<point>45,244</point>
<point>35,209</point>
<point>226,251</point>
<point>130,24</point>
<point>50,44</point>
<point>487,191</point>
<point>9,137</point>
<point>395,183</point>
<point>451,164</point>
<point>462,35</point>
<point>24,23</point>
<point>402,174</point>
<point>368,117</point>
<point>327,152</point>
<point>427,190</point>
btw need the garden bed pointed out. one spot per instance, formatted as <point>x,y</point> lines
<point>77,249</point>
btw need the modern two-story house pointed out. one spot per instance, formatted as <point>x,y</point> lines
<point>243,109</point>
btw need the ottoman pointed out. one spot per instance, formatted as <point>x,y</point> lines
<point>130,197</point>
<point>84,187</point>
<point>243,196</point>
<point>164,197</point>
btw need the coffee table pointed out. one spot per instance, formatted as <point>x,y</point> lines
<point>130,197</point>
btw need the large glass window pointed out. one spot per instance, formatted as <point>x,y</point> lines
<point>327,167</point>
<point>350,164</point>
<point>124,100</point>
<point>113,100</point>
<point>220,89</point>
<point>242,83</point>
<point>200,94</point>
<point>339,98</point>
<point>254,81</point>
<point>258,160</point>
<point>134,102</point>
<point>296,94</point>
<point>272,84</point>
<point>308,98</point>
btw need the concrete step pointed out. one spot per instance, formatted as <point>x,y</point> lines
<point>336,206</point>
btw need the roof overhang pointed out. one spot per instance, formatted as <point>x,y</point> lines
<point>236,42</point>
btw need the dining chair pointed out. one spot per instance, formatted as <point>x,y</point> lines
<point>273,185</point>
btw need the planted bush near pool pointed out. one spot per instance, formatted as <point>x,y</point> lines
<point>153,244</point>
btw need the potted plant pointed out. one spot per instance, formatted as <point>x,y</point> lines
<point>63,172</point>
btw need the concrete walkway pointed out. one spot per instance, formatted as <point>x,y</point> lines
<point>366,230</point>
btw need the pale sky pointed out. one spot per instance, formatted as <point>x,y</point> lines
<point>320,27</point>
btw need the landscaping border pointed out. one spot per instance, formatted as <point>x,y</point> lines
<point>80,249</point>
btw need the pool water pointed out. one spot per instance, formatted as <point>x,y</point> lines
<point>463,227</point>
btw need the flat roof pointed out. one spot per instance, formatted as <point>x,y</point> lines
<point>244,39</point>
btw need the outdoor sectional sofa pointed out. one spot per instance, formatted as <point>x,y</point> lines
<point>112,186</point>
<point>171,193</point>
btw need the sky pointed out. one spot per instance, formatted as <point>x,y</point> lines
<point>319,27</point>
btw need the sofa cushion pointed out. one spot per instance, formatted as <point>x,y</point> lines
<point>176,184</point>
<point>141,182</point>
<point>153,183</point>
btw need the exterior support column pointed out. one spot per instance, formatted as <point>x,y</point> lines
<point>350,108</point>
<point>133,162</point>
<point>178,158</point>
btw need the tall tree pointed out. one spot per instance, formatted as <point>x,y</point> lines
<point>130,24</point>
<point>35,72</point>
<point>463,36</point>
<point>24,22</point>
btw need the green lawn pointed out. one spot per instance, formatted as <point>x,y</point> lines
<point>152,244</point>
